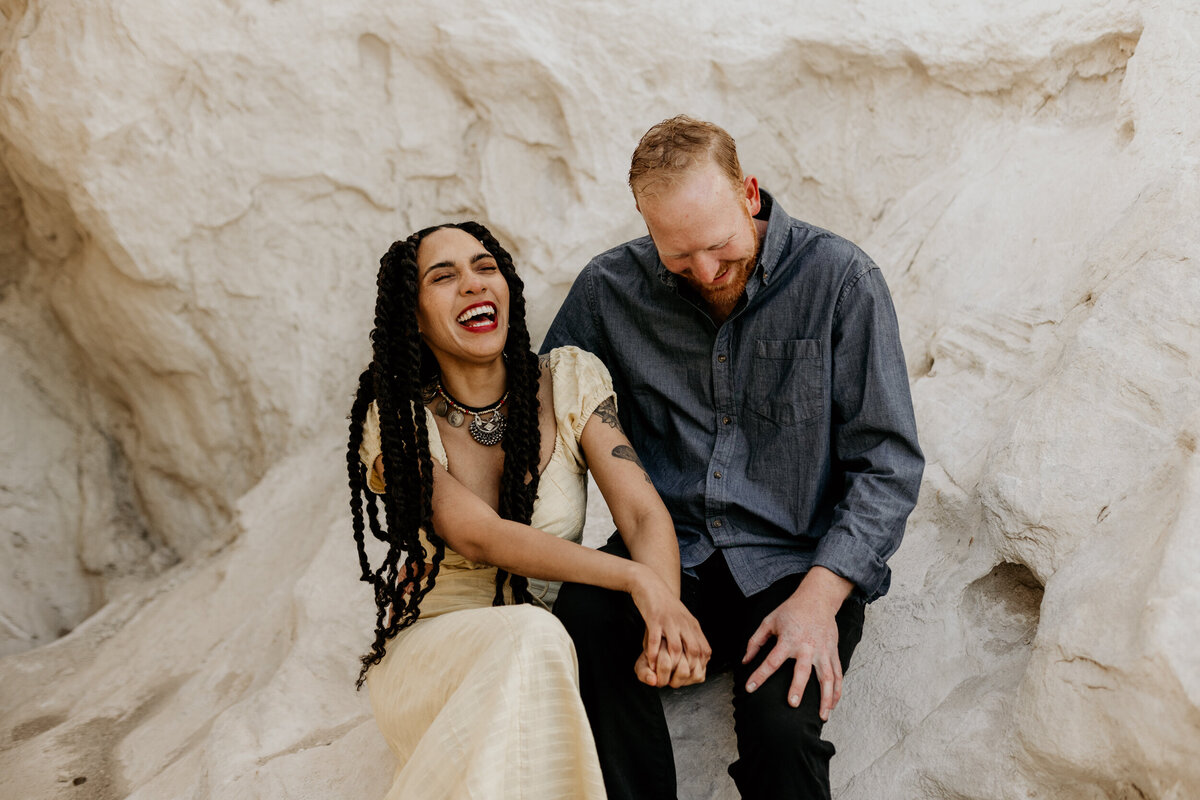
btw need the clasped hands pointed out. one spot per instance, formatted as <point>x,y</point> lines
<point>675,651</point>
<point>804,628</point>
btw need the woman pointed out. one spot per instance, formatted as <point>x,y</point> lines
<point>472,681</point>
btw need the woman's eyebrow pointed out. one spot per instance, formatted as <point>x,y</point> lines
<point>438,265</point>
<point>448,263</point>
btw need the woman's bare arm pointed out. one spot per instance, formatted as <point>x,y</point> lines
<point>648,532</point>
<point>475,531</point>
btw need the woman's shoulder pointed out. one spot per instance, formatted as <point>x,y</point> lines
<point>571,361</point>
<point>580,382</point>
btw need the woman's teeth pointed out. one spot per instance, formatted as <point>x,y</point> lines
<point>488,311</point>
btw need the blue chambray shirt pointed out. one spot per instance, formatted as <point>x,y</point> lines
<point>783,437</point>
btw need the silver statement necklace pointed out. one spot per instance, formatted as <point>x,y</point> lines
<point>488,431</point>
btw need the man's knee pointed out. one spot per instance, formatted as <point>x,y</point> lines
<point>780,749</point>
<point>765,722</point>
<point>768,719</point>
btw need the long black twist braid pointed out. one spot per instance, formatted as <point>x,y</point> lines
<point>401,366</point>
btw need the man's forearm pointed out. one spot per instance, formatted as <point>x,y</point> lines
<point>825,588</point>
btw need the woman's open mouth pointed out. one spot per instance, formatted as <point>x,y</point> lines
<point>479,318</point>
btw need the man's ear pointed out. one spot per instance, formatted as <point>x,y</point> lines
<point>753,200</point>
<point>638,206</point>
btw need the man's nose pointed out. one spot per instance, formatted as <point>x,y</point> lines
<point>705,267</point>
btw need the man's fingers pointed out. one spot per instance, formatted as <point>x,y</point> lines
<point>834,670</point>
<point>825,677</point>
<point>682,675</point>
<point>668,657</point>
<point>645,671</point>
<point>766,669</point>
<point>699,667</point>
<point>756,642</point>
<point>800,672</point>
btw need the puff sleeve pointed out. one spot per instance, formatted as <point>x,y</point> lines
<point>581,383</point>
<point>371,446</point>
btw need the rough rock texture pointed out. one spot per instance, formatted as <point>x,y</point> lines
<point>192,201</point>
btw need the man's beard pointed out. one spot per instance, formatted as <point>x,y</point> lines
<point>722,299</point>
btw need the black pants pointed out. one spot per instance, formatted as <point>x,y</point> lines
<point>780,750</point>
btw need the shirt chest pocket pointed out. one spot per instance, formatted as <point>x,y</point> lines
<point>786,380</point>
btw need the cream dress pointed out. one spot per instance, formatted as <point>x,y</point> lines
<point>482,702</point>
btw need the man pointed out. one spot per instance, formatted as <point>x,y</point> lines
<point>758,366</point>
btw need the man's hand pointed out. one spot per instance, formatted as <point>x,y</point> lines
<point>805,628</point>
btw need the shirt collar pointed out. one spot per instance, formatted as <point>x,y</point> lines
<point>774,239</point>
<point>770,249</point>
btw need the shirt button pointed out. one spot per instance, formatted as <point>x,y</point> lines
<point>721,358</point>
<point>717,474</point>
<point>716,523</point>
<point>726,420</point>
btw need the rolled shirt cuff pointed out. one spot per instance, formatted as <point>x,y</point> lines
<point>843,554</point>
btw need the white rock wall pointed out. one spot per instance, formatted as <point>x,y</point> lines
<point>193,200</point>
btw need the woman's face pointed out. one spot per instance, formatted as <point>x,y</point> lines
<point>462,298</point>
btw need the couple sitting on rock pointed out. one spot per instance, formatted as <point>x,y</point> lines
<point>734,382</point>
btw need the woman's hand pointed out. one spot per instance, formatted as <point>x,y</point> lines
<point>675,651</point>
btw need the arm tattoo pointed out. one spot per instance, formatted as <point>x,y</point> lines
<point>629,454</point>
<point>607,411</point>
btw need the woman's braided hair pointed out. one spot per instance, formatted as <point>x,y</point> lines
<point>401,367</point>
